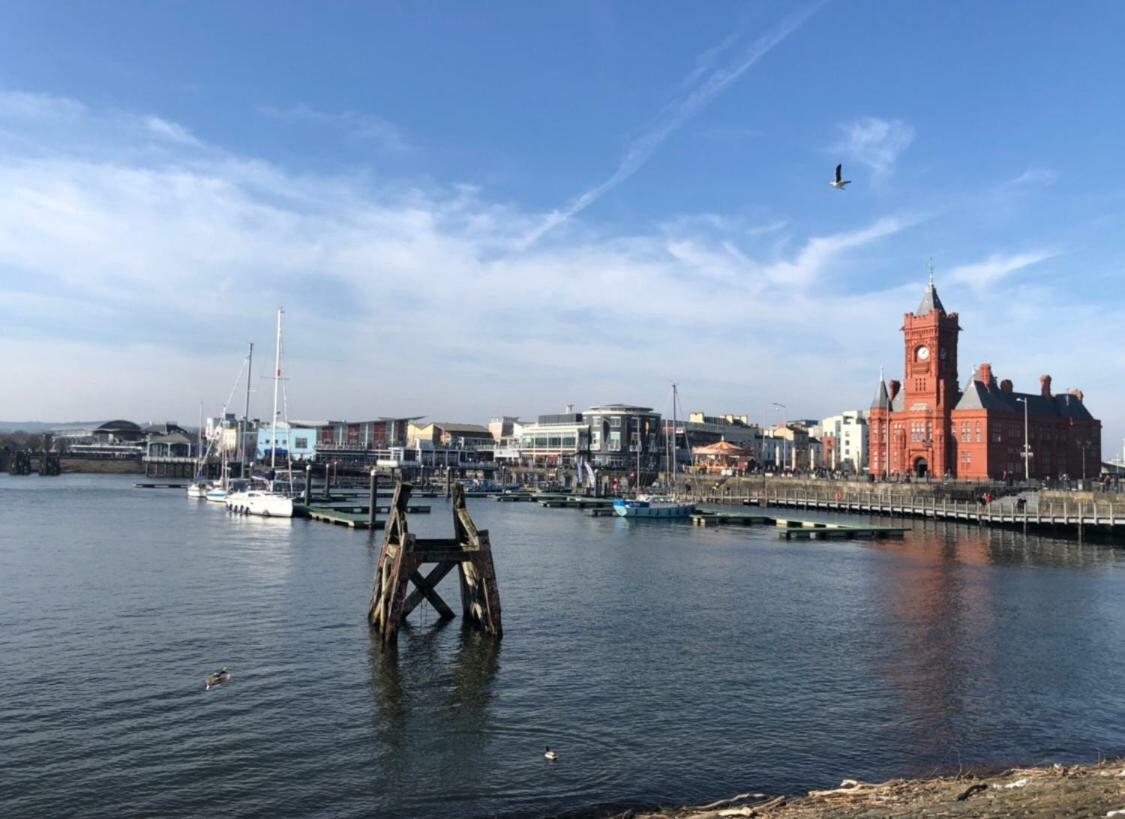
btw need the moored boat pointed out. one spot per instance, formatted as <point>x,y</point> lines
<point>259,498</point>
<point>652,508</point>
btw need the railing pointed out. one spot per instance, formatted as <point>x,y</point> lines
<point>1048,512</point>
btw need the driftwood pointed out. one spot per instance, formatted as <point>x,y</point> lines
<point>403,555</point>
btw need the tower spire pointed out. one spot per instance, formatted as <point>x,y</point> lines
<point>931,271</point>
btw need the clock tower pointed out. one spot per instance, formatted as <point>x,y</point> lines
<point>920,435</point>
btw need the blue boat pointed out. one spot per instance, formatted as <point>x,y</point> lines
<point>653,508</point>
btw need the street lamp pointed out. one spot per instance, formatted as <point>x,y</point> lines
<point>1026,448</point>
<point>1084,445</point>
<point>779,458</point>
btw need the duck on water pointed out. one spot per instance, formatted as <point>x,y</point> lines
<point>217,678</point>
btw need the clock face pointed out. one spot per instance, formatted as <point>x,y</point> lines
<point>923,353</point>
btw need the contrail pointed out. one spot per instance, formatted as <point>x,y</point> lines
<point>697,97</point>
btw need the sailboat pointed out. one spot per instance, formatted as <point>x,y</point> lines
<point>198,487</point>
<point>657,506</point>
<point>261,497</point>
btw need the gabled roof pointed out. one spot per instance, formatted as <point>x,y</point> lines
<point>930,302</point>
<point>979,396</point>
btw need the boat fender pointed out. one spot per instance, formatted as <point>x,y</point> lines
<point>839,496</point>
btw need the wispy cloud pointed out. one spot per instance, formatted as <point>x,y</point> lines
<point>984,274</point>
<point>874,142</point>
<point>28,105</point>
<point>820,251</point>
<point>354,124</point>
<point>1034,177</point>
<point>170,130</point>
<point>701,86</point>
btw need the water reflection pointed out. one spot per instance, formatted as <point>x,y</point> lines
<point>459,663</point>
<point>981,545</point>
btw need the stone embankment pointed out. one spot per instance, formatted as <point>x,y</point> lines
<point>1048,792</point>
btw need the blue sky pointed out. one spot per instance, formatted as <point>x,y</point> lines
<point>470,210</point>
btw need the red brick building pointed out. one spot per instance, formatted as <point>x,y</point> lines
<point>935,427</point>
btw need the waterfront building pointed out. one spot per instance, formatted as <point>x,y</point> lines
<point>844,441</point>
<point>298,443</point>
<point>450,435</point>
<point>622,434</point>
<point>701,430</point>
<point>381,433</point>
<point>504,426</point>
<point>928,425</point>
<point>553,440</point>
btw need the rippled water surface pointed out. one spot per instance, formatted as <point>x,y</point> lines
<point>666,664</point>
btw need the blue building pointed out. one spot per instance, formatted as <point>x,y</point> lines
<point>296,443</point>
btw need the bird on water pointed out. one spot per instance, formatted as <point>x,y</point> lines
<point>839,183</point>
<point>549,755</point>
<point>217,678</point>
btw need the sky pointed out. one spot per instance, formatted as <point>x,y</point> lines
<point>471,210</point>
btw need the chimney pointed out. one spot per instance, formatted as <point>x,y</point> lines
<point>1078,394</point>
<point>895,387</point>
<point>1006,385</point>
<point>985,374</point>
<point>1045,386</point>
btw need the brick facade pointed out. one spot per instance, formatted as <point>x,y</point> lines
<point>929,425</point>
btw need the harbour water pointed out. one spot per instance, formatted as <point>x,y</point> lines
<point>665,663</point>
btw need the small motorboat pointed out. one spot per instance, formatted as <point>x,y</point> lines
<point>550,755</point>
<point>218,677</point>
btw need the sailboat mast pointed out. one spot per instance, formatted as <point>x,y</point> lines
<point>672,454</point>
<point>199,444</point>
<point>242,453</point>
<point>276,385</point>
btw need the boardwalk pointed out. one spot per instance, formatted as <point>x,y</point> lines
<point>1078,514</point>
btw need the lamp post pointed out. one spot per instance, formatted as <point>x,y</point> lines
<point>779,455</point>
<point>1084,445</point>
<point>1026,448</point>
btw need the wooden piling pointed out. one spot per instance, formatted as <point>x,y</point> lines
<point>403,555</point>
<point>308,485</point>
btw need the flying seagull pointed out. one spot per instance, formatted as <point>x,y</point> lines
<point>839,183</point>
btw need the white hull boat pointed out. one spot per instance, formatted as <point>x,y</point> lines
<point>260,502</point>
<point>198,489</point>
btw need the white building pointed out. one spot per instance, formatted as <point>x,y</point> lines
<point>848,433</point>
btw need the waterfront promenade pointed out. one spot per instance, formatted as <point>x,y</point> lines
<point>1079,513</point>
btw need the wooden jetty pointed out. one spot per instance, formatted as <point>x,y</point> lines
<point>339,517</point>
<point>706,518</point>
<point>790,528</point>
<point>403,555</point>
<point>576,502</point>
<point>516,497</point>
<point>357,508</point>
<point>160,485</point>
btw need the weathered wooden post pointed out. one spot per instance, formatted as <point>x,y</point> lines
<point>327,479</point>
<point>403,555</point>
<point>372,499</point>
<point>308,485</point>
